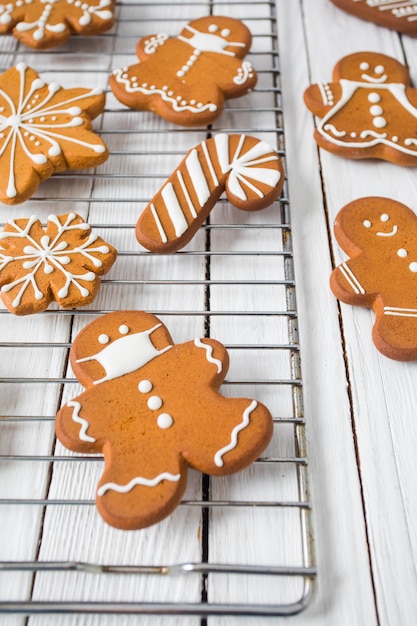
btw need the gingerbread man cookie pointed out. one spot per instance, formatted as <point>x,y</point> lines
<point>400,15</point>
<point>60,262</point>
<point>153,408</point>
<point>186,79</point>
<point>47,23</point>
<point>44,129</point>
<point>369,110</point>
<point>248,169</point>
<point>380,237</point>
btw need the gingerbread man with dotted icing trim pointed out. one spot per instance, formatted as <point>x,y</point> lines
<point>45,24</point>
<point>399,15</point>
<point>369,110</point>
<point>153,408</point>
<point>186,79</point>
<point>380,237</point>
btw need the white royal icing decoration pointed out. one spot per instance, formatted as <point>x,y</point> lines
<point>55,255</point>
<point>40,121</point>
<point>76,406</point>
<point>351,279</point>
<point>138,480</point>
<point>209,354</point>
<point>241,169</point>
<point>218,457</point>
<point>401,9</point>
<point>367,137</point>
<point>145,386</point>
<point>126,354</point>
<point>244,72</point>
<point>164,421</point>
<point>45,22</point>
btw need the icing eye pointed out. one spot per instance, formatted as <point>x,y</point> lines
<point>225,32</point>
<point>212,28</point>
<point>145,386</point>
<point>103,339</point>
<point>379,69</point>
<point>413,267</point>
<point>384,217</point>
<point>402,252</point>
<point>123,329</point>
<point>364,66</point>
<point>164,420</point>
<point>367,223</point>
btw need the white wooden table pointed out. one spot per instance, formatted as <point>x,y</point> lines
<point>359,407</point>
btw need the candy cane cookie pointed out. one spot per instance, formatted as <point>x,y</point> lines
<point>246,168</point>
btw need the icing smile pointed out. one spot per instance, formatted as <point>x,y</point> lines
<point>372,79</point>
<point>391,232</point>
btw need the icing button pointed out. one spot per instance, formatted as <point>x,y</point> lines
<point>164,420</point>
<point>145,386</point>
<point>154,403</point>
<point>413,267</point>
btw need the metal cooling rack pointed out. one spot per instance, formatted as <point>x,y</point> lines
<point>101,54</point>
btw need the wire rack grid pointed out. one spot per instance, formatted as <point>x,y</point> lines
<point>240,545</point>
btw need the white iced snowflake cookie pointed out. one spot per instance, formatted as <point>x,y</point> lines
<point>60,262</point>
<point>44,128</point>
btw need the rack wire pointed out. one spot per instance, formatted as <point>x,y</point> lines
<point>235,282</point>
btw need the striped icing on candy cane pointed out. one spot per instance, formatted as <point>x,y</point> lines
<point>248,169</point>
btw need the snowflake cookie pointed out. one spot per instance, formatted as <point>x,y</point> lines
<point>154,409</point>
<point>186,79</point>
<point>44,128</point>
<point>61,262</point>
<point>49,23</point>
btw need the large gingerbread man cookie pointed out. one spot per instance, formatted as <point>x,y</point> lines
<point>369,110</point>
<point>186,79</point>
<point>380,237</point>
<point>400,15</point>
<point>153,408</point>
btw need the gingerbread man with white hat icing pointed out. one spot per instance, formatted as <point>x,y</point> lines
<point>153,409</point>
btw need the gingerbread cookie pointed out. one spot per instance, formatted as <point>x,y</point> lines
<point>247,168</point>
<point>368,110</point>
<point>153,408</point>
<point>186,79</point>
<point>380,237</point>
<point>60,262</point>
<point>48,23</point>
<point>400,15</point>
<point>44,129</point>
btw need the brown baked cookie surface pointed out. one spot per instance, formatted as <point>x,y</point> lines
<point>186,79</point>
<point>61,262</point>
<point>397,15</point>
<point>44,128</point>
<point>153,408</point>
<point>248,169</point>
<point>368,110</point>
<point>380,237</point>
<point>45,24</point>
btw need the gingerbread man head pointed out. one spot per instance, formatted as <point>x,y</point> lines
<point>153,408</point>
<point>186,79</point>
<point>380,237</point>
<point>371,67</point>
